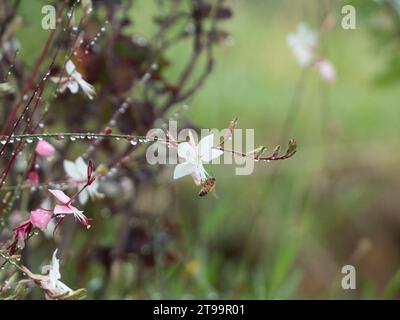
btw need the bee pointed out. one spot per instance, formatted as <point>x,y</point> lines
<point>207,186</point>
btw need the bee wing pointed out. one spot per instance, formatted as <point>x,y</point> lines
<point>215,194</point>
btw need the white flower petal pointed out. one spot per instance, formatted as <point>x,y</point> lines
<point>71,170</point>
<point>83,197</point>
<point>87,88</point>
<point>60,195</point>
<point>199,174</point>
<point>183,169</point>
<point>73,86</point>
<point>70,67</point>
<point>186,151</point>
<point>212,154</point>
<point>54,273</point>
<point>205,145</point>
<point>81,167</point>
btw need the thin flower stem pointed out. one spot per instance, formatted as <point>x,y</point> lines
<point>81,136</point>
<point>7,259</point>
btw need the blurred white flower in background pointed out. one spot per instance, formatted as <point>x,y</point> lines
<point>74,81</point>
<point>77,171</point>
<point>303,43</point>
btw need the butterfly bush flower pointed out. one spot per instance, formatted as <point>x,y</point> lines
<point>194,156</point>
<point>74,81</point>
<point>67,208</point>
<point>303,43</point>
<point>326,70</point>
<point>50,281</point>
<point>45,149</point>
<point>77,171</point>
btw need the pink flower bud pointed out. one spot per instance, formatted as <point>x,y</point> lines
<point>44,149</point>
<point>33,178</point>
<point>40,218</point>
<point>326,70</point>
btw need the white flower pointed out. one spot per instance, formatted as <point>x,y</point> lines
<point>51,281</point>
<point>303,43</point>
<point>194,156</point>
<point>77,171</point>
<point>74,81</point>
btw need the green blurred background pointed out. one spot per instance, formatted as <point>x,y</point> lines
<point>287,230</point>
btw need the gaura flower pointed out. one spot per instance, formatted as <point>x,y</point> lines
<point>45,149</point>
<point>194,156</point>
<point>50,281</point>
<point>74,81</point>
<point>326,70</point>
<point>20,235</point>
<point>40,218</point>
<point>303,43</point>
<point>77,171</point>
<point>67,208</point>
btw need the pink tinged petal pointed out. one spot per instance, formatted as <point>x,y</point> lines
<point>45,149</point>
<point>63,87</point>
<point>63,209</point>
<point>40,218</point>
<point>21,232</point>
<point>60,195</point>
<point>183,169</point>
<point>21,240</point>
<point>80,216</point>
<point>172,143</point>
<point>231,128</point>
<point>326,70</point>
<point>73,86</point>
<point>56,79</point>
<point>186,151</point>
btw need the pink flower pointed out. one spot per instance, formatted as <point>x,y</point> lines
<point>67,207</point>
<point>33,178</point>
<point>20,235</point>
<point>44,149</point>
<point>40,218</point>
<point>326,70</point>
